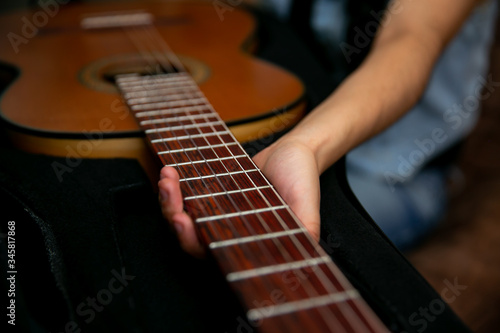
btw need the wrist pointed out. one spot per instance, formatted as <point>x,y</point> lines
<point>326,140</point>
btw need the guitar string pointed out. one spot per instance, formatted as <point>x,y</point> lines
<point>158,40</point>
<point>234,182</point>
<point>148,56</point>
<point>296,241</point>
<point>306,284</point>
<point>235,232</point>
<point>207,142</point>
<point>167,53</point>
<point>153,65</point>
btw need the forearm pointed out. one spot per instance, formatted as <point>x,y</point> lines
<point>388,83</point>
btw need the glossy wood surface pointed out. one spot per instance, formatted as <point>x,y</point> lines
<point>55,92</point>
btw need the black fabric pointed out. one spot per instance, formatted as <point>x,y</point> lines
<point>364,16</point>
<point>76,236</point>
<point>102,221</point>
<point>389,283</point>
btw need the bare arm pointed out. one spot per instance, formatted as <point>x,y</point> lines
<point>388,83</point>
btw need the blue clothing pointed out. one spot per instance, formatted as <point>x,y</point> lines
<point>389,174</point>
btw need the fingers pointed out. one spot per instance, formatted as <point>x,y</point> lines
<point>307,211</point>
<point>172,207</point>
<point>293,170</point>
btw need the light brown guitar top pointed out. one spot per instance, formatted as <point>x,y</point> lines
<point>59,90</point>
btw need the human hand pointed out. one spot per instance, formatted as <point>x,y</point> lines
<point>290,166</point>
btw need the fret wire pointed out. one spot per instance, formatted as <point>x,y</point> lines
<point>252,181</point>
<point>222,185</point>
<point>158,79</point>
<point>213,146</point>
<point>187,137</point>
<point>259,271</point>
<point>170,111</point>
<point>216,154</point>
<point>335,271</point>
<point>324,317</point>
<point>146,107</point>
<point>234,231</point>
<point>159,76</point>
<point>153,86</point>
<point>326,314</point>
<point>326,321</point>
<point>159,92</point>
<point>171,119</point>
<point>188,149</point>
<point>238,214</point>
<point>207,160</point>
<point>161,98</point>
<point>223,193</point>
<point>345,309</point>
<point>298,244</point>
<point>166,129</point>
<point>154,81</point>
<point>331,266</point>
<point>324,280</point>
<point>284,308</point>
<point>277,243</point>
<point>247,239</point>
<point>211,176</point>
<point>165,77</point>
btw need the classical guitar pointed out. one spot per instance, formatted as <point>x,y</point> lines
<point>82,64</point>
<point>64,100</point>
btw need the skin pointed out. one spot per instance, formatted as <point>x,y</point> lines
<point>388,83</point>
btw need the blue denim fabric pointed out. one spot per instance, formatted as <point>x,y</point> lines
<point>405,212</point>
<point>388,173</point>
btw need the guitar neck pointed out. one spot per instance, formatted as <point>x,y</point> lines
<point>283,277</point>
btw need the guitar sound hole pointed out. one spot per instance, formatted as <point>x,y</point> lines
<point>100,74</point>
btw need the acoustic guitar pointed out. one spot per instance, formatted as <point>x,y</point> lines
<point>95,79</point>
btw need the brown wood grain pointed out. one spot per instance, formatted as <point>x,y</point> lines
<point>49,95</point>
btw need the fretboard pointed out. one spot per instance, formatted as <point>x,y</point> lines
<point>284,279</point>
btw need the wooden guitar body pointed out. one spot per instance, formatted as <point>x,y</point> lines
<point>64,101</point>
